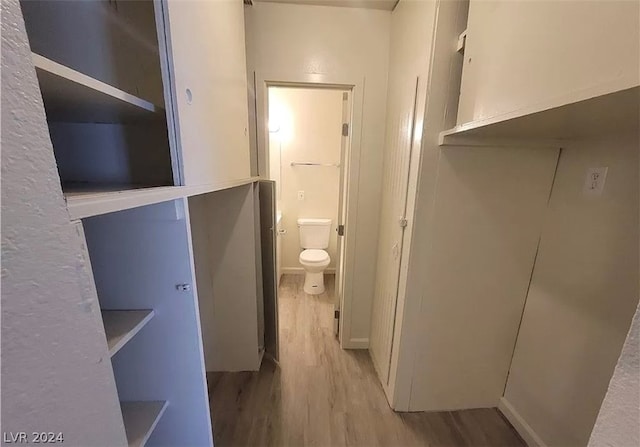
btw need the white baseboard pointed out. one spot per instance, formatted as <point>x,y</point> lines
<point>300,270</point>
<point>357,343</point>
<point>526,432</point>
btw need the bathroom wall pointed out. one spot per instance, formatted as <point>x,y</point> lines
<point>305,126</point>
<point>583,294</point>
<point>346,43</point>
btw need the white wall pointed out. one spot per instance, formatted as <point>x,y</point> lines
<point>340,42</point>
<point>503,74</point>
<point>487,216</point>
<point>310,125</point>
<point>583,293</point>
<point>56,373</point>
<point>617,423</point>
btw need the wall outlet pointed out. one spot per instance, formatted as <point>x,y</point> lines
<point>594,181</point>
<point>300,195</point>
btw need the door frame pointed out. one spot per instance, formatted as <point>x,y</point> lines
<point>345,147</point>
<point>264,80</point>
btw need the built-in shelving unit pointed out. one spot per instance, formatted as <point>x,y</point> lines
<point>140,418</point>
<point>143,273</point>
<point>576,115</point>
<point>101,79</point>
<point>125,144</point>
<point>73,96</point>
<point>87,203</point>
<point>121,326</point>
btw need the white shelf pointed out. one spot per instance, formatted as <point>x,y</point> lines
<point>596,111</point>
<point>121,326</point>
<point>75,97</point>
<point>140,418</point>
<point>82,204</point>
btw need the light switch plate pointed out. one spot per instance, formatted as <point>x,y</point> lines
<point>300,195</point>
<point>594,181</point>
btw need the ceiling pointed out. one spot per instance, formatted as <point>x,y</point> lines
<point>386,5</point>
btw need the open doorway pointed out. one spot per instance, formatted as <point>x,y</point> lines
<point>308,143</point>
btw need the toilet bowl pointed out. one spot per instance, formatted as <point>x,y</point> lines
<point>314,240</point>
<point>314,262</point>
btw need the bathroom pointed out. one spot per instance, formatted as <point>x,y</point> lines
<point>307,144</point>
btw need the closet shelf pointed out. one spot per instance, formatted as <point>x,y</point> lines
<point>103,200</point>
<point>121,326</point>
<point>71,96</point>
<point>596,111</point>
<point>140,418</point>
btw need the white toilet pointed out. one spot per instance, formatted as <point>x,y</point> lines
<point>314,239</point>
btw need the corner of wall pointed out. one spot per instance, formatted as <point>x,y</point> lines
<point>522,427</point>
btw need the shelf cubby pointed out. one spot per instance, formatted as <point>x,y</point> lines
<point>140,418</point>
<point>100,74</point>
<point>140,259</point>
<point>121,326</point>
<point>71,96</point>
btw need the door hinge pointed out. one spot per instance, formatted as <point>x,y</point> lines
<point>345,130</point>
<point>340,230</point>
<point>336,314</point>
<point>403,222</point>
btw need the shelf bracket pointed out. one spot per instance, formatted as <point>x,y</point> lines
<point>462,40</point>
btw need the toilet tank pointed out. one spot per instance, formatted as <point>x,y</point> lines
<point>314,233</point>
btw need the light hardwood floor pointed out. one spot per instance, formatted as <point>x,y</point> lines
<point>321,395</point>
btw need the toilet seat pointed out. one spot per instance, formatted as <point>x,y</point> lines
<point>314,257</point>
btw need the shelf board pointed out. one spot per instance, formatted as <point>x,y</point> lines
<point>140,418</point>
<point>121,326</point>
<point>101,199</point>
<point>105,199</point>
<point>580,115</point>
<point>71,96</point>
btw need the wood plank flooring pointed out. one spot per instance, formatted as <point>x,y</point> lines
<point>321,395</point>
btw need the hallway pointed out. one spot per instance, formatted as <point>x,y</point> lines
<point>324,396</point>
